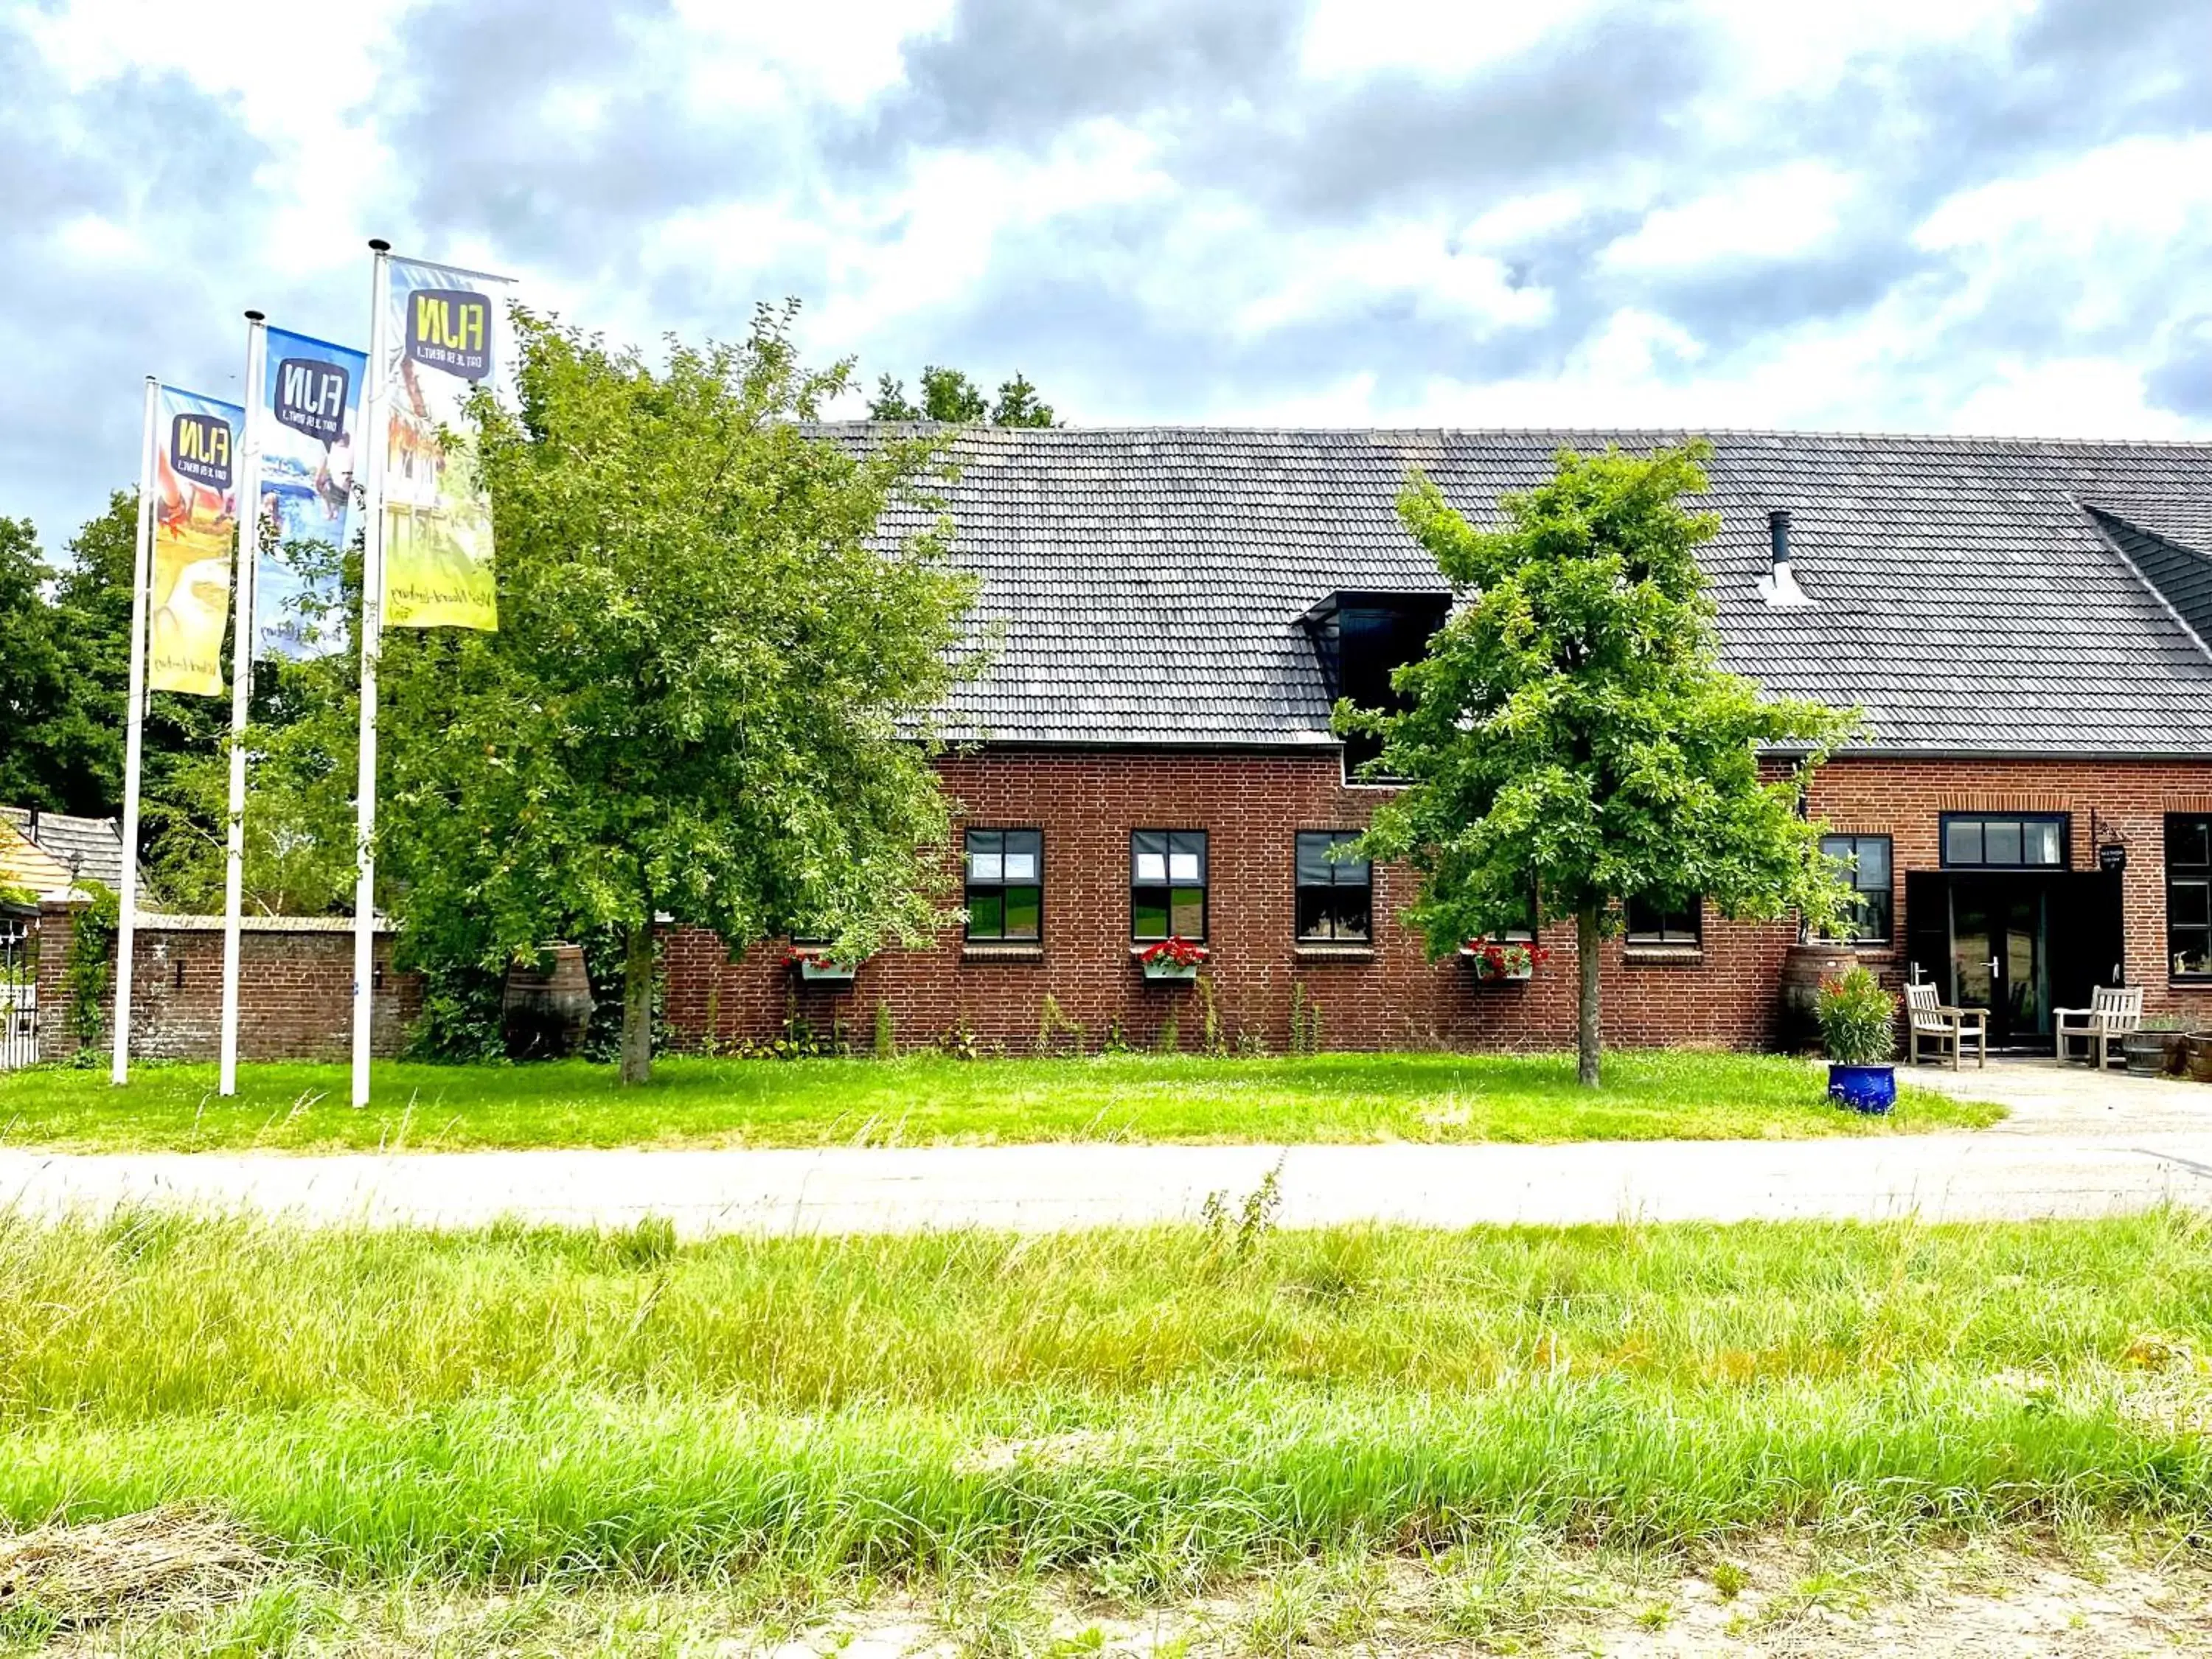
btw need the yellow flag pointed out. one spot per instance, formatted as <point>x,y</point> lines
<point>195,535</point>
<point>446,333</point>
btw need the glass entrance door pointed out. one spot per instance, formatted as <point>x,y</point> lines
<point>1997,940</point>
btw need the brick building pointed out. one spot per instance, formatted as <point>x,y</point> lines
<point>2023,624</point>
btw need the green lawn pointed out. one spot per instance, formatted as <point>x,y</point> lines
<point>1648,1095</point>
<point>1139,1408</point>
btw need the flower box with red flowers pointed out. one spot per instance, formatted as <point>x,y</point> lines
<point>1171,958</point>
<point>814,968</point>
<point>1499,961</point>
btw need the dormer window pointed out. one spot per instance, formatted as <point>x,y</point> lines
<point>1361,639</point>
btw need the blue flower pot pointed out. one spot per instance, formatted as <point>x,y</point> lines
<point>1871,1089</point>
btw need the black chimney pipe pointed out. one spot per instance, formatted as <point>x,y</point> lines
<point>1777,530</point>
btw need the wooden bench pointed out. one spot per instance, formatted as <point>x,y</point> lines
<point>1954,1028</point>
<point>2114,1012</point>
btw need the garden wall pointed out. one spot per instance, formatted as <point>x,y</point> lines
<point>295,990</point>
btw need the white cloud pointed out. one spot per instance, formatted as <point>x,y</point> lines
<point>931,242</point>
<point>293,73</point>
<point>1781,213</point>
<point>1411,264</point>
<point>1522,217</point>
<point>2146,190</point>
<point>1348,401</point>
<point>1800,48</point>
<point>295,67</point>
<point>847,53</point>
<point>2064,398</point>
<point>1640,371</point>
<point>94,238</point>
<point>1183,257</point>
<point>1440,39</point>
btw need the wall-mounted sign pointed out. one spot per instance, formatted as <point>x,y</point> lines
<point>2113,857</point>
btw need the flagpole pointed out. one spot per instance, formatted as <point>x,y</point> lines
<point>134,743</point>
<point>245,571</point>
<point>375,420</point>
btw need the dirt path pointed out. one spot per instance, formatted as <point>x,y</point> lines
<point>1990,1176</point>
<point>1751,1600</point>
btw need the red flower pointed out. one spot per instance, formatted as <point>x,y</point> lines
<point>1174,949</point>
<point>1496,959</point>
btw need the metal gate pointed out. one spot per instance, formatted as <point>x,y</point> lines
<point>18,994</point>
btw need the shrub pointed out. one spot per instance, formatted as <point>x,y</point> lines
<point>1858,1020</point>
<point>88,980</point>
<point>460,1022</point>
<point>1305,1021</point>
<point>1053,1025</point>
<point>1209,1019</point>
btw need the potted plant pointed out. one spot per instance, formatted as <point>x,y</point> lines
<point>1173,957</point>
<point>1495,960</point>
<point>1858,1025</point>
<point>814,967</point>
<point>2159,1047</point>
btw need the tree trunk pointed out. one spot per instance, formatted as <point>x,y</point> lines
<point>637,1005</point>
<point>1587,937</point>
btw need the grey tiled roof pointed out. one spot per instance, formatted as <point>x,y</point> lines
<point>2182,521</point>
<point>2181,574</point>
<point>1148,580</point>
<point>93,848</point>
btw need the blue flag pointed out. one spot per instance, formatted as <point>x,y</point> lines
<point>310,425</point>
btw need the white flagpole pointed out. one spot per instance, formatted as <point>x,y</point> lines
<point>134,742</point>
<point>243,577</point>
<point>374,419</point>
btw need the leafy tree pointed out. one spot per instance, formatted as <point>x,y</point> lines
<point>1570,726</point>
<point>707,697</point>
<point>949,396</point>
<point>34,685</point>
<point>298,817</point>
<point>1018,405</point>
<point>67,654</point>
<point>93,602</point>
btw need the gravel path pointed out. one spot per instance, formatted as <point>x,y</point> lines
<point>2076,1146</point>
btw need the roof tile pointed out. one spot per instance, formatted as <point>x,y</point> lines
<point>1149,579</point>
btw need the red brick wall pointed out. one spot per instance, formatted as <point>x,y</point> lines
<point>1906,800</point>
<point>295,989</point>
<point>1087,803</point>
<point>1250,806</point>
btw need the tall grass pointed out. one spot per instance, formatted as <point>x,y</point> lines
<point>1183,1486</point>
<point>1171,1401</point>
<point>926,1099</point>
<point>161,1312</point>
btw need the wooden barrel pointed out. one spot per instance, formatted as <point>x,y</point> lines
<point>1804,970</point>
<point>2198,1064</point>
<point>545,1013</point>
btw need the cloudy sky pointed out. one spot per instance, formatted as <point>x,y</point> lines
<point>1974,216</point>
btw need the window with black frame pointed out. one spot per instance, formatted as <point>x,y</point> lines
<point>1866,863</point>
<point>1652,923</point>
<point>2189,895</point>
<point>1523,932</point>
<point>1167,885</point>
<point>1336,893</point>
<point>1005,886</point>
<point>1981,841</point>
